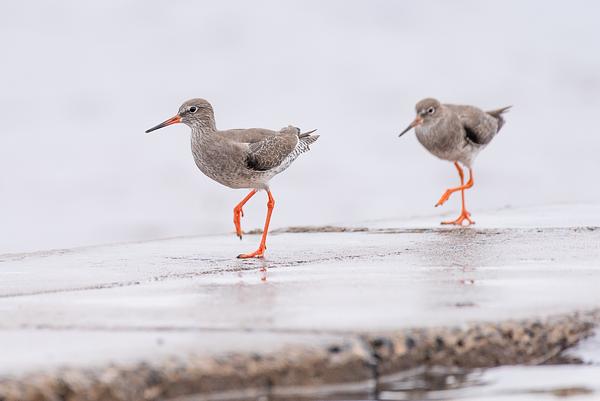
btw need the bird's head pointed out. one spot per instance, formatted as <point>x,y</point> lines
<point>428,110</point>
<point>195,113</point>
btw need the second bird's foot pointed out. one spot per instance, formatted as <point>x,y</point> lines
<point>459,221</point>
<point>444,198</point>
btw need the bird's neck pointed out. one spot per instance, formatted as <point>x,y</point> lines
<point>202,134</point>
<point>204,127</point>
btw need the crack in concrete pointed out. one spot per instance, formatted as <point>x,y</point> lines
<point>174,329</point>
<point>256,265</point>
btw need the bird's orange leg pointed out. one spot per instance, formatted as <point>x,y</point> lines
<point>259,253</point>
<point>238,213</point>
<point>464,214</point>
<point>462,187</point>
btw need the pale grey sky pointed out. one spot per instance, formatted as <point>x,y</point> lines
<point>80,82</point>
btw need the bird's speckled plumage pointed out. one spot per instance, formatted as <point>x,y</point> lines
<point>241,158</point>
<point>456,132</point>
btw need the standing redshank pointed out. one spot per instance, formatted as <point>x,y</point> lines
<point>240,158</point>
<point>457,134</point>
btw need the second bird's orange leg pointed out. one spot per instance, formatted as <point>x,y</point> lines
<point>464,214</point>
<point>462,187</point>
<point>259,253</point>
<point>238,213</point>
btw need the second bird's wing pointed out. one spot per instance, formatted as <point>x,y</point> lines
<point>480,127</point>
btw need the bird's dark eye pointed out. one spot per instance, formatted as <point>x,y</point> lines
<point>193,109</point>
<point>431,110</point>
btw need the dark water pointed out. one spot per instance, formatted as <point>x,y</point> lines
<point>575,376</point>
<point>507,383</point>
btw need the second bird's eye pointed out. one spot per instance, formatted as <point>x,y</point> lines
<point>431,110</point>
<point>193,109</point>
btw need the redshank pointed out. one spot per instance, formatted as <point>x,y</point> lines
<point>455,133</point>
<point>240,158</point>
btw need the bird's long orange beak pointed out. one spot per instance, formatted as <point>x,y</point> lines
<point>172,120</point>
<point>416,122</point>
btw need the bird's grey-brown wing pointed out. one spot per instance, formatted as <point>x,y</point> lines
<point>271,151</point>
<point>278,151</point>
<point>265,149</point>
<point>246,135</point>
<point>479,126</point>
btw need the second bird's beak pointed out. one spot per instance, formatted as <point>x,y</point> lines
<point>417,121</point>
<point>172,120</point>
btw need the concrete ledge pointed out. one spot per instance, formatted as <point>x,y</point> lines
<point>530,341</point>
<point>359,358</point>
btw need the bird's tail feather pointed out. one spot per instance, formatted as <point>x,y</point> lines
<point>497,114</point>
<point>309,139</point>
<point>304,134</point>
<point>306,138</point>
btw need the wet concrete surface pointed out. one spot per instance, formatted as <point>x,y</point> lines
<point>125,304</point>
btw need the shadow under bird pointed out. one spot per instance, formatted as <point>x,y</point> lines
<point>240,158</point>
<point>455,133</point>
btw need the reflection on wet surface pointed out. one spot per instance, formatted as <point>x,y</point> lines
<point>575,375</point>
<point>536,383</point>
<point>428,381</point>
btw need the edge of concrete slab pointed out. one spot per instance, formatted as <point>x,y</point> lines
<point>361,358</point>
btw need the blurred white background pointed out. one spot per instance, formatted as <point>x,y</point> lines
<point>81,81</point>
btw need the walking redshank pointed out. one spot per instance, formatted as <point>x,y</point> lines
<point>240,158</point>
<point>457,134</point>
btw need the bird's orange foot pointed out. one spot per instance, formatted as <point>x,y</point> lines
<point>459,221</point>
<point>259,253</point>
<point>444,197</point>
<point>238,213</point>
